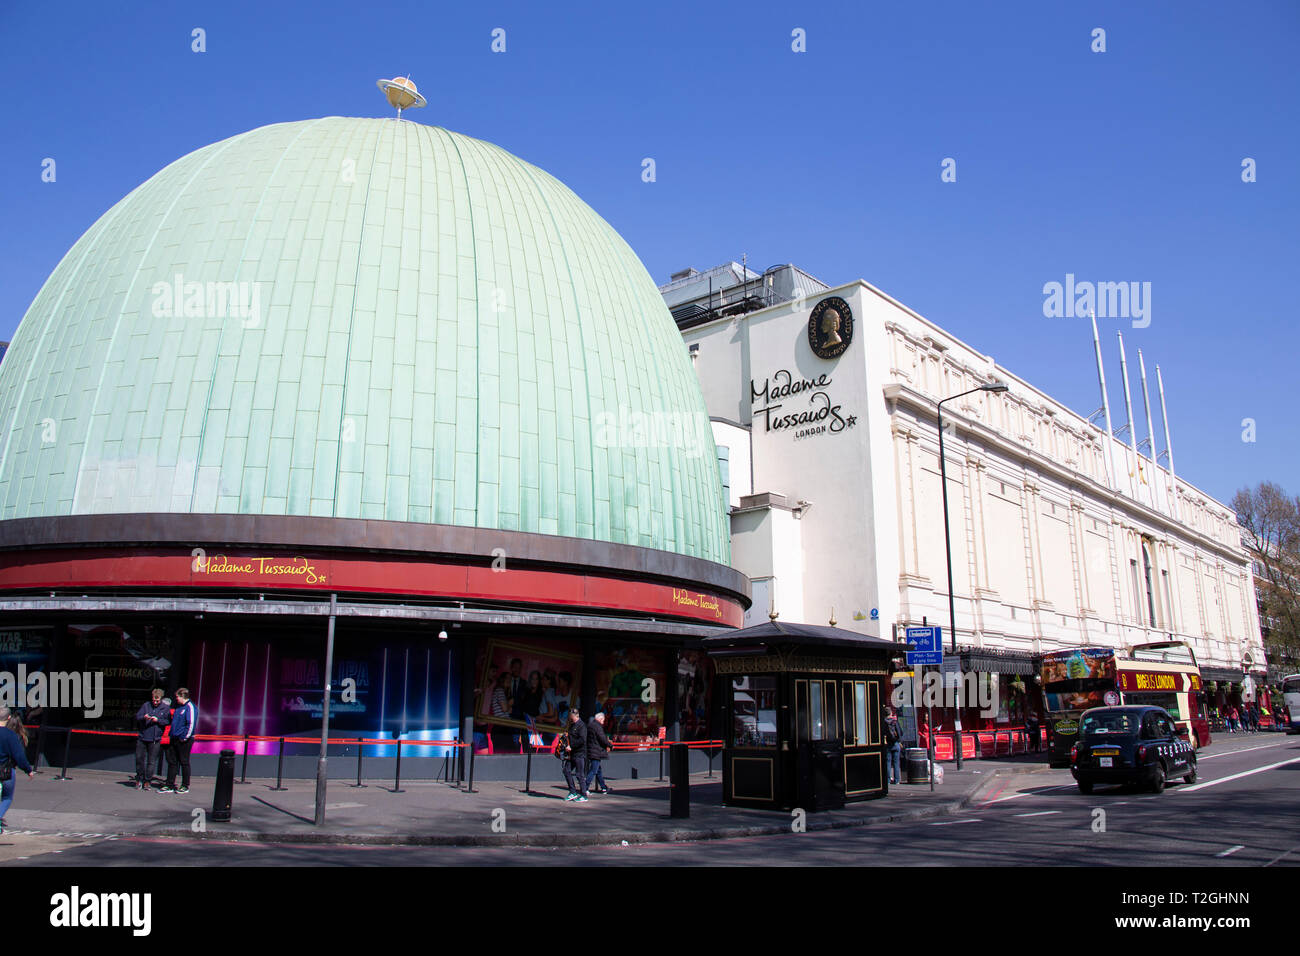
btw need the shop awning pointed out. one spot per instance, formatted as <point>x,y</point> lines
<point>1229,674</point>
<point>991,660</point>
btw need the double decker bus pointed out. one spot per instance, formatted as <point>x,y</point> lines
<point>1291,697</point>
<point>1163,674</point>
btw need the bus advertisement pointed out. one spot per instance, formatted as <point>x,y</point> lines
<point>1161,675</point>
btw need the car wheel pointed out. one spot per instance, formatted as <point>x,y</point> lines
<point>1190,776</point>
<point>1085,786</point>
<point>1158,781</point>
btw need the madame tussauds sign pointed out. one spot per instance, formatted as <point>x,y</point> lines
<point>799,405</point>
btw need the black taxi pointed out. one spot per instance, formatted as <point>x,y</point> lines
<point>1130,745</point>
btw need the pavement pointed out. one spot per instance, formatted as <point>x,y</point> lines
<point>103,804</point>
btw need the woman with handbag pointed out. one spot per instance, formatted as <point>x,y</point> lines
<point>13,752</point>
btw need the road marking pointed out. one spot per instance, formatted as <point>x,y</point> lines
<point>1040,813</point>
<point>1235,776</point>
<point>1231,850</point>
<point>1244,750</point>
<point>1030,793</point>
<point>953,823</point>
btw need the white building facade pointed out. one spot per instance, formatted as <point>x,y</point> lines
<point>1060,535</point>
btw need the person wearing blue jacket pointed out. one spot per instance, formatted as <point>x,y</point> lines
<point>185,721</point>
<point>151,718</point>
<point>12,754</point>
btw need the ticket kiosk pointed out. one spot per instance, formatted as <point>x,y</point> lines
<point>804,714</point>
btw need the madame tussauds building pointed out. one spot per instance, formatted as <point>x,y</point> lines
<point>376,367</point>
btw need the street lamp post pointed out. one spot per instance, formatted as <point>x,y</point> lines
<point>947,545</point>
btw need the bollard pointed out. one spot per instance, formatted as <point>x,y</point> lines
<point>279,769</point>
<point>661,762</point>
<point>679,781</point>
<point>528,772</point>
<point>40,746</point>
<point>634,773</point>
<point>466,753</point>
<point>243,775</point>
<point>67,746</point>
<point>224,794</point>
<point>397,782</point>
<point>360,747</point>
<point>470,758</point>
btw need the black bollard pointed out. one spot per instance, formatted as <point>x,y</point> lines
<point>528,773</point>
<point>661,762</point>
<point>679,781</point>
<point>279,769</point>
<point>224,795</point>
<point>360,748</point>
<point>397,783</point>
<point>470,758</point>
<point>67,746</point>
<point>243,775</point>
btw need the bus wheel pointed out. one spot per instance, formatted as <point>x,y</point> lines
<point>1085,786</point>
<point>1158,781</point>
<point>1190,776</point>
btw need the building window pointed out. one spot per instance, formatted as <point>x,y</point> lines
<point>1147,574</point>
<point>724,470</point>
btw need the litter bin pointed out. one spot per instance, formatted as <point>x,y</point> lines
<point>918,770</point>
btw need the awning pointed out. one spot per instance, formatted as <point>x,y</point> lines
<point>1223,674</point>
<point>991,660</point>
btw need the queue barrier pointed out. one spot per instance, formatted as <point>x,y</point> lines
<point>461,748</point>
<point>987,743</point>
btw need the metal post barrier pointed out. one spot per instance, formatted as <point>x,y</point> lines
<point>67,747</point>
<point>397,782</point>
<point>224,794</point>
<point>243,775</point>
<point>470,758</point>
<point>661,763</point>
<point>360,747</point>
<point>528,772</point>
<point>279,769</point>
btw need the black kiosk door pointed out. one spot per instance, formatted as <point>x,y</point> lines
<point>754,768</point>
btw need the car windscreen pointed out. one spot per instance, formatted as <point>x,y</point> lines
<point>1096,725</point>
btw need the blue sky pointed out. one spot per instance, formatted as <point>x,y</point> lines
<point>1123,165</point>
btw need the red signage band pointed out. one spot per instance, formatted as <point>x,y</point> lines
<point>371,574</point>
<point>1157,682</point>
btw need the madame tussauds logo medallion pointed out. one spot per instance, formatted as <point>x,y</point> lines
<point>830,327</point>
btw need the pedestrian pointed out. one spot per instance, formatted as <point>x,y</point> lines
<point>923,732</point>
<point>184,722</point>
<point>1234,720</point>
<point>575,764</point>
<point>151,718</point>
<point>1031,730</point>
<point>598,747</point>
<point>894,740</point>
<point>13,744</point>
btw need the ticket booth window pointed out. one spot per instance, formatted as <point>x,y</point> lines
<point>754,712</point>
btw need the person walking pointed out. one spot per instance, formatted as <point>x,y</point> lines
<point>894,738</point>
<point>151,718</point>
<point>13,753</point>
<point>1031,730</point>
<point>184,723</point>
<point>598,747</point>
<point>575,764</point>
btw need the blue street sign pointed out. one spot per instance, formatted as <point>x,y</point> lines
<point>927,644</point>
<point>926,639</point>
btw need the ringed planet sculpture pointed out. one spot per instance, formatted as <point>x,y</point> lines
<point>401,94</point>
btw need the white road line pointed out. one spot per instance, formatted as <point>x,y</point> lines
<point>1040,813</point>
<point>953,823</point>
<point>1244,750</point>
<point>1231,850</point>
<point>1029,793</point>
<point>1235,776</point>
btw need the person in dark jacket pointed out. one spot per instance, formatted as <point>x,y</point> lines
<point>12,755</point>
<point>598,747</point>
<point>184,722</point>
<point>151,718</point>
<point>575,764</point>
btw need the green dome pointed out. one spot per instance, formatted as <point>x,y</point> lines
<point>360,318</point>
